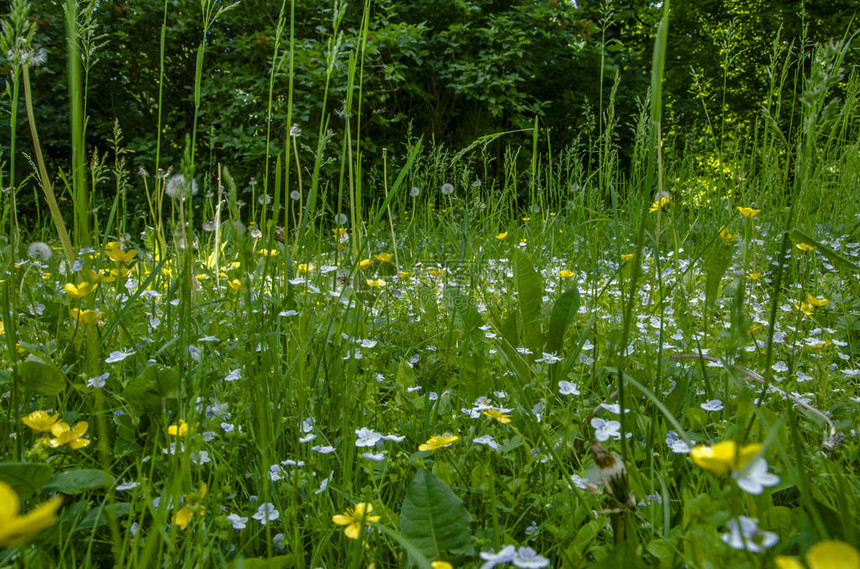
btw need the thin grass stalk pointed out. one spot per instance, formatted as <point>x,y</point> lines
<point>279,30</point>
<point>76,99</point>
<point>658,63</point>
<point>43,174</point>
<point>159,180</point>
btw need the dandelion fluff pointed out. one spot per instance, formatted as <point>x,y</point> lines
<point>39,251</point>
<point>177,187</point>
<point>447,189</point>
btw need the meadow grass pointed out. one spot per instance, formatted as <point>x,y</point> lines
<point>570,364</point>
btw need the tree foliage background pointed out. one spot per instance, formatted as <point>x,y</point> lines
<point>452,70</point>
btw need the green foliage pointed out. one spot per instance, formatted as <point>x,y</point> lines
<point>39,377</point>
<point>564,309</point>
<point>79,480</point>
<point>433,518</point>
<point>716,263</point>
<point>154,387</point>
<point>26,478</point>
<point>529,301</point>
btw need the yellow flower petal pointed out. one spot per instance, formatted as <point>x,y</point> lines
<point>832,554</point>
<point>724,456</point>
<point>748,211</point>
<point>40,421</point>
<point>438,443</point>
<point>80,290</point>
<point>352,531</point>
<point>10,505</point>
<point>785,562</point>
<point>17,530</point>
<point>183,517</point>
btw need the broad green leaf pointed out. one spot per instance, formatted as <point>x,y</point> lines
<point>153,387</point>
<point>529,299</point>
<point>26,478</point>
<point>427,299</point>
<point>79,480</point>
<point>716,263</point>
<point>624,555</point>
<point>98,517</point>
<point>664,551</point>
<point>508,330</point>
<point>405,376</point>
<point>563,311</point>
<point>433,518</point>
<point>472,370</point>
<point>40,377</point>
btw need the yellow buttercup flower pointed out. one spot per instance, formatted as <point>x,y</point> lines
<point>304,268</point>
<point>565,274</point>
<point>183,517</point>
<point>438,443</point>
<point>80,290</point>
<point>726,235</point>
<point>384,257</point>
<point>748,211</point>
<point>375,283</point>
<point>40,421</point>
<point>832,554</point>
<point>441,565</point>
<point>502,235</point>
<point>817,302</point>
<point>117,255</point>
<point>179,430</point>
<point>71,437</point>
<point>435,271</point>
<point>235,285</point>
<point>724,456</point>
<point>754,276</point>
<point>95,276</point>
<point>804,247</point>
<point>806,308</point>
<point>627,257</point>
<point>84,316</point>
<point>503,418</point>
<point>268,252</point>
<point>659,204</point>
<point>355,518</point>
<point>365,264</point>
<point>403,274</point>
<point>16,529</point>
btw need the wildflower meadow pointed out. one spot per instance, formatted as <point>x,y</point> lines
<point>618,352</point>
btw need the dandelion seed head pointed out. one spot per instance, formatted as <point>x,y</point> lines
<point>40,251</point>
<point>177,187</point>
